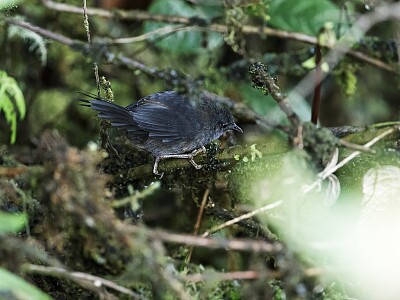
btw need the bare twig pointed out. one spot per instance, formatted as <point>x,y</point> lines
<point>318,86</point>
<point>244,275</point>
<point>12,172</point>
<point>92,282</point>
<point>43,32</point>
<point>376,139</point>
<point>198,222</point>
<point>201,211</point>
<point>240,275</point>
<point>353,146</point>
<point>242,217</point>
<point>159,31</point>
<point>138,15</point>
<point>217,243</point>
<point>118,14</point>
<point>328,171</point>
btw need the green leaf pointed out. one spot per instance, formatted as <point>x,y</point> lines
<point>14,287</point>
<point>12,222</point>
<point>303,16</point>
<point>268,107</point>
<point>9,4</point>
<point>310,64</point>
<point>188,42</point>
<point>12,102</point>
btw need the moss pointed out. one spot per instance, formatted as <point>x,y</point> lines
<point>78,223</point>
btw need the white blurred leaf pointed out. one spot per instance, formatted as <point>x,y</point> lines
<point>377,236</point>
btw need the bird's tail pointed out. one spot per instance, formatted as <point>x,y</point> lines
<point>117,115</point>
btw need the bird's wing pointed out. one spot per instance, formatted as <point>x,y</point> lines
<point>165,120</point>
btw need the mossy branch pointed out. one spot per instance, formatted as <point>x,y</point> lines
<point>222,161</point>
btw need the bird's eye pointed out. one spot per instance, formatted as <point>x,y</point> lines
<point>224,126</point>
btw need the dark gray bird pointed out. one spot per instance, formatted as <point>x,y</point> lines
<point>168,124</point>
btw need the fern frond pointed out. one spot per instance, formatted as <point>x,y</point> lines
<point>12,102</point>
<point>37,42</point>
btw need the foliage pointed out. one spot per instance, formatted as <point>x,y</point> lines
<point>346,78</point>
<point>302,16</point>
<point>9,4</point>
<point>11,223</point>
<point>182,41</point>
<point>37,43</point>
<point>12,102</point>
<point>259,9</point>
<point>11,284</point>
<point>16,288</point>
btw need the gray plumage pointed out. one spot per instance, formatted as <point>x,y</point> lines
<point>168,124</point>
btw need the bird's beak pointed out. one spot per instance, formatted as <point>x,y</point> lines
<point>237,128</point>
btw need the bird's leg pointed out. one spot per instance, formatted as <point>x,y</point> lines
<point>189,156</point>
<point>193,154</point>
<point>155,167</point>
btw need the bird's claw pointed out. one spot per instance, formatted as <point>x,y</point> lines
<point>155,169</point>
<point>198,167</point>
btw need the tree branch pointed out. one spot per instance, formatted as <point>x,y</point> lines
<point>226,158</point>
<point>213,243</point>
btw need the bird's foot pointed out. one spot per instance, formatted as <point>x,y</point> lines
<point>155,168</point>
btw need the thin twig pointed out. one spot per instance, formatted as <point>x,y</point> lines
<point>242,217</point>
<point>213,243</point>
<point>12,172</point>
<point>356,147</point>
<point>376,139</point>
<point>318,86</point>
<point>198,222</point>
<point>219,276</point>
<point>328,171</point>
<point>80,278</point>
<point>159,31</point>
<point>43,32</point>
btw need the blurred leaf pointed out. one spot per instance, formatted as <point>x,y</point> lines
<point>184,42</point>
<point>348,244</point>
<point>310,64</point>
<point>377,233</point>
<point>381,188</point>
<point>36,42</point>
<point>303,16</point>
<point>268,107</point>
<point>11,101</point>
<point>262,104</point>
<point>11,222</point>
<point>259,9</point>
<point>9,4</point>
<point>14,287</point>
